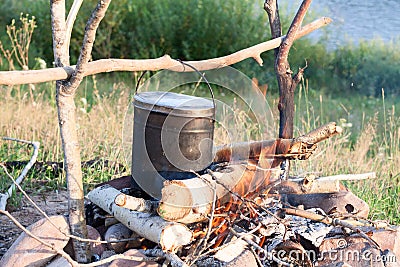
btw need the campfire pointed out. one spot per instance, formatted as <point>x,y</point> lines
<point>241,213</point>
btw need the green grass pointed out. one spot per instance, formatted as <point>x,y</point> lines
<point>370,142</point>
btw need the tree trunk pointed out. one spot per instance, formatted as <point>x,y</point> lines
<point>67,122</point>
<point>72,164</point>
<point>287,84</point>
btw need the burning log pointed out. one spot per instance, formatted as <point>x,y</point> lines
<point>191,200</point>
<point>169,235</point>
<point>297,148</point>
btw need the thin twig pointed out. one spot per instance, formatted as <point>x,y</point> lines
<point>68,257</point>
<point>87,46</point>
<point>342,177</point>
<point>73,12</point>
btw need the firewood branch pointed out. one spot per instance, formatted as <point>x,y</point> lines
<point>297,148</point>
<point>136,204</point>
<point>66,234</point>
<point>170,236</point>
<point>165,62</point>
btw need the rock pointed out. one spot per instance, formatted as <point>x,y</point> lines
<point>129,263</point>
<point>27,251</point>
<point>95,248</point>
<point>236,254</point>
<point>136,241</point>
<point>117,232</point>
<point>387,239</point>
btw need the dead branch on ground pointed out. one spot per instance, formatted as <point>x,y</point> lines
<point>20,178</point>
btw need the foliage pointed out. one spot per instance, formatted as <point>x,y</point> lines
<point>192,30</point>
<point>368,67</point>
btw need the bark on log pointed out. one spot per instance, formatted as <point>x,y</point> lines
<point>135,203</point>
<point>297,148</point>
<point>169,235</point>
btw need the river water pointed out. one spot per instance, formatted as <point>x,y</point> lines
<point>358,19</point>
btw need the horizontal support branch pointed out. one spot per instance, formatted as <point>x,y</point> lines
<point>165,62</point>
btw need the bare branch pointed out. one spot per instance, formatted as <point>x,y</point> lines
<point>165,62</point>
<point>271,6</point>
<point>88,41</point>
<point>73,12</point>
<point>36,145</point>
<point>68,257</point>
<point>282,63</point>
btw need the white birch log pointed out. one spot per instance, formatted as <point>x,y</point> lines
<point>169,235</point>
<point>190,200</point>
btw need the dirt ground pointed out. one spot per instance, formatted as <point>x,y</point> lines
<point>53,203</point>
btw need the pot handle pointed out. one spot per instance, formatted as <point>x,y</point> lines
<point>197,71</point>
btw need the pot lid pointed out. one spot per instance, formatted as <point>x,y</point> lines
<point>177,104</point>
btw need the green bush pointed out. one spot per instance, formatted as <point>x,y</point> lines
<point>368,67</point>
